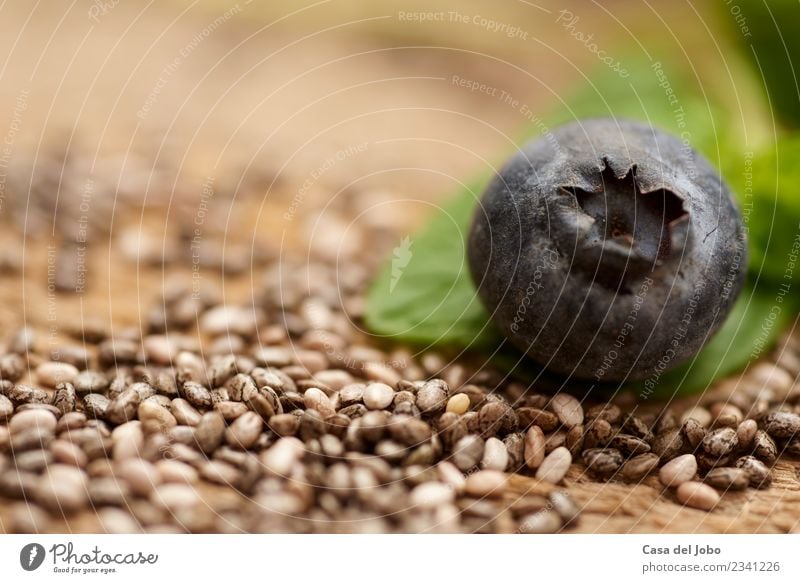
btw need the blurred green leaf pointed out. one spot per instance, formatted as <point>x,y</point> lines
<point>433,300</point>
<point>754,324</point>
<point>768,187</point>
<point>768,34</point>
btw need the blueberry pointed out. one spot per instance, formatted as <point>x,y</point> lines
<point>608,250</point>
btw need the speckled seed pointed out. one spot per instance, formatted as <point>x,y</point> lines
<point>602,462</point>
<point>196,394</point>
<point>432,495</point>
<point>495,455</point>
<point>432,397</point>
<point>315,399</point>
<point>468,452</point>
<point>606,411</point>
<point>32,418</point>
<point>64,398</point>
<point>533,416</point>
<point>567,408</point>
<point>555,466</point>
<point>758,472</point>
<point>124,407</point>
<point>51,374</point>
<point>486,483</point>
<point>679,470</point>
<point>598,433</point>
<point>764,447</point>
<point>21,394</point>
<point>782,424</point>
<point>697,495</point>
<point>458,404</point>
<point>668,444</point>
<point>728,478</point>
<point>694,432</point>
<point>638,467</point>
<point>378,396</point>
<point>542,522</point>
<point>720,442</point>
<point>629,444</point>
<point>535,447</point>
<point>245,431</point>
<point>746,432</point>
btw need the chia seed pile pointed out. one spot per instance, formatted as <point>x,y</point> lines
<point>283,416</point>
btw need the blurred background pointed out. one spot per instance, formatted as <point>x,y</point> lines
<point>146,139</point>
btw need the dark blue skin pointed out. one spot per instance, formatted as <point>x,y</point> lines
<point>608,250</point>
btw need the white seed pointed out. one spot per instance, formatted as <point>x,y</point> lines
<point>770,376</point>
<point>452,476</point>
<point>542,522</point>
<point>458,404</point>
<point>486,483</point>
<point>62,488</point>
<point>699,414</point>
<point>697,495</point>
<point>52,373</point>
<point>159,349</point>
<point>315,399</point>
<point>245,431</point>
<point>140,475</point>
<point>117,521</point>
<point>228,320</point>
<point>568,409</point>
<point>495,455</point>
<point>176,472</point>
<point>432,495</point>
<point>282,456</point>
<point>378,396</point>
<point>68,453</point>
<point>32,418</point>
<point>679,470</point>
<point>173,497</point>
<point>127,440</point>
<point>555,466</point>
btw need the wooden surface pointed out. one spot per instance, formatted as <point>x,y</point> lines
<point>252,104</point>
